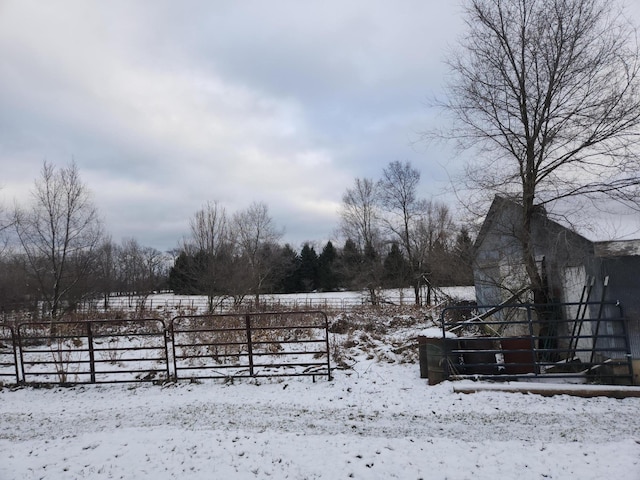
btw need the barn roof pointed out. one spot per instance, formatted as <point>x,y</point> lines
<point>501,205</point>
<point>603,249</point>
<point>618,248</point>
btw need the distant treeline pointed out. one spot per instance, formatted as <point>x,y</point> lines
<point>333,269</point>
<point>55,253</point>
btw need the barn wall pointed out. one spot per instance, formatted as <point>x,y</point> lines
<point>499,267</point>
<point>497,259</point>
<point>623,273</point>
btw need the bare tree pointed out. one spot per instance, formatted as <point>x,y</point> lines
<point>549,92</point>
<point>432,234</point>
<point>359,216</point>
<point>256,235</point>
<point>209,228</point>
<point>360,222</point>
<point>14,286</point>
<point>6,224</point>
<point>59,234</point>
<point>141,270</point>
<point>210,235</point>
<point>402,210</point>
<point>131,271</point>
<point>106,271</point>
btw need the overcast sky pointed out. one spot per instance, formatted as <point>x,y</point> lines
<point>166,105</point>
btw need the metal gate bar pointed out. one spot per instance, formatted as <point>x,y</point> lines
<point>93,351</point>
<point>8,355</point>
<point>520,341</point>
<point>250,345</point>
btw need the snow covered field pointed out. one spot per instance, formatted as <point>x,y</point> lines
<point>167,302</point>
<point>375,421</point>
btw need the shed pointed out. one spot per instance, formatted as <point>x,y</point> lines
<point>499,271</point>
<point>569,263</point>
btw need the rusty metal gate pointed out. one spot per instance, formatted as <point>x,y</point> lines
<point>8,355</point>
<point>93,351</point>
<point>251,345</point>
<point>583,342</point>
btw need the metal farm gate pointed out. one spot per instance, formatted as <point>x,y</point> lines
<point>8,355</point>
<point>93,351</point>
<point>207,346</point>
<point>575,342</point>
<point>251,345</point>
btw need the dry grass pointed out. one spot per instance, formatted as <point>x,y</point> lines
<point>387,334</point>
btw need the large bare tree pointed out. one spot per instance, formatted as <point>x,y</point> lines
<point>360,224</point>
<point>60,233</point>
<point>548,91</point>
<point>359,216</point>
<point>210,237</point>
<point>402,211</point>
<point>256,237</point>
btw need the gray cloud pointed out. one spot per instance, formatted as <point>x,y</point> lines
<point>167,105</point>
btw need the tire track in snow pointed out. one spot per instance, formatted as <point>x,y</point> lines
<point>260,417</point>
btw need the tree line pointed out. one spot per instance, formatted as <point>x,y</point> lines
<point>392,239</point>
<point>56,253</point>
<point>545,93</point>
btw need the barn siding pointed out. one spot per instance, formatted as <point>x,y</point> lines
<point>624,287</point>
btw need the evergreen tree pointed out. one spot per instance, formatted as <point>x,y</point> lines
<point>308,268</point>
<point>463,258</point>
<point>290,275</point>
<point>396,268</point>
<point>328,279</point>
<point>350,262</point>
<point>185,277</point>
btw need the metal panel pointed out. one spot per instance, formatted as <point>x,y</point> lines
<point>250,345</point>
<point>548,345</point>
<point>93,351</point>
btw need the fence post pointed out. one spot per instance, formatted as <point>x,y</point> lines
<point>247,319</point>
<point>169,336</point>
<point>598,320</point>
<point>92,362</point>
<point>534,353</point>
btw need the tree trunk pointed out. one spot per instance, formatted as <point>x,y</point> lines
<point>528,251</point>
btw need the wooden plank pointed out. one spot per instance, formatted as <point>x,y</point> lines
<point>586,391</point>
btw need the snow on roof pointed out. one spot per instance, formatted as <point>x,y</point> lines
<point>618,248</point>
<point>602,247</point>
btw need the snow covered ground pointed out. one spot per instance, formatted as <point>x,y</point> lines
<point>167,302</point>
<point>375,420</point>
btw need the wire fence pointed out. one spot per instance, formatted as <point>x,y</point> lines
<point>201,304</point>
